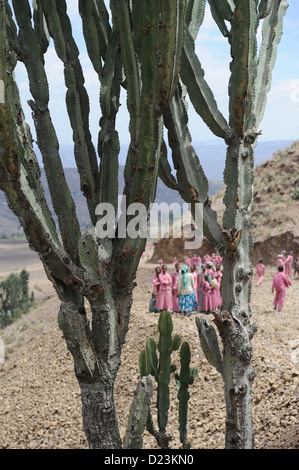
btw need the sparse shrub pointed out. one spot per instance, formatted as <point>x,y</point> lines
<point>14,295</point>
<point>295,194</point>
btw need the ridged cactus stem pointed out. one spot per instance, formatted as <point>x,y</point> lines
<point>77,101</point>
<point>192,183</point>
<point>62,200</point>
<point>161,368</point>
<point>138,414</point>
<point>237,225</point>
<point>165,350</point>
<point>184,378</point>
<point>20,180</point>
<point>103,44</point>
<point>151,68</point>
<point>108,142</point>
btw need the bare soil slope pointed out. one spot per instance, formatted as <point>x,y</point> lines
<point>40,399</point>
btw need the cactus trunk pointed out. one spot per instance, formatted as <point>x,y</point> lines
<point>99,415</point>
<point>238,375</point>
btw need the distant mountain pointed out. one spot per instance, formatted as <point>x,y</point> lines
<point>211,155</point>
<point>9,223</point>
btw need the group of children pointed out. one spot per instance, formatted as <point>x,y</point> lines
<point>196,286</point>
<point>281,281</point>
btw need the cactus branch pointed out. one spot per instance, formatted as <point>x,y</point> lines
<point>165,170</point>
<point>243,66</point>
<point>183,379</point>
<point>77,100</point>
<point>271,35</point>
<point>209,344</point>
<point>199,91</point>
<point>195,16</point>
<point>219,16</point>
<point>63,203</point>
<point>192,182</point>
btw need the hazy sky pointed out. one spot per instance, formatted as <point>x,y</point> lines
<point>281,118</point>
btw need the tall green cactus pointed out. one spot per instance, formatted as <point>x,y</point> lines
<point>183,379</point>
<point>161,368</point>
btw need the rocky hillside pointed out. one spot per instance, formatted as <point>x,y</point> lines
<point>275,210</point>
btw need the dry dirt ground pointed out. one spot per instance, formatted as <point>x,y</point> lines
<point>40,399</point>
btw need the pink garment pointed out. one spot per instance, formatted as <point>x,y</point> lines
<point>214,259</point>
<point>175,298</point>
<point>260,271</point>
<point>279,262</point>
<point>206,258</point>
<point>194,260</point>
<point>156,282</point>
<point>160,262</point>
<point>175,280</point>
<point>164,300</point>
<point>280,283</point>
<point>279,299</point>
<point>195,277</point>
<point>288,265</point>
<point>200,279</point>
<point>198,260</point>
<point>219,259</point>
<point>188,261</point>
<point>206,297</point>
<point>175,260</point>
<point>213,292</point>
<point>219,300</point>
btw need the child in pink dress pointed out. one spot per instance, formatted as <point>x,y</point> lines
<point>289,264</point>
<point>175,295</point>
<point>195,276</point>
<point>260,272</point>
<point>164,300</point>
<point>156,280</point>
<point>206,295</point>
<point>200,280</point>
<point>280,283</point>
<point>211,271</point>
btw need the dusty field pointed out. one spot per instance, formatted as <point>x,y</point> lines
<point>40,400</point>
